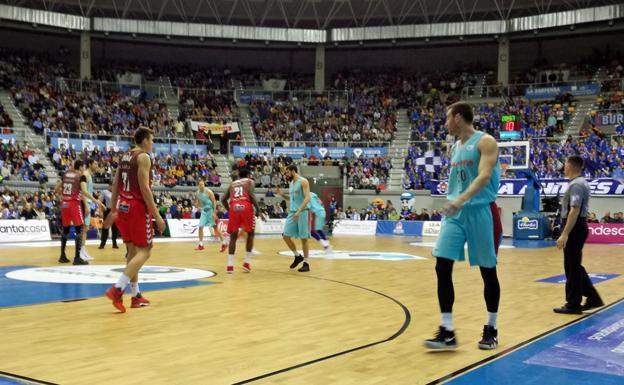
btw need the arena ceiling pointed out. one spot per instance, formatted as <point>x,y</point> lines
<point>313,14</point>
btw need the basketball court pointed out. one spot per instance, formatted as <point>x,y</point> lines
<point>359,317</point>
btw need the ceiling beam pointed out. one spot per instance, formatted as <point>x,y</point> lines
<point>284,13</point>
<point>267,8</point>
<point>229,18</point>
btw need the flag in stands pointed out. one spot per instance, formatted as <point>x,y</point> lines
<point>430,160</point>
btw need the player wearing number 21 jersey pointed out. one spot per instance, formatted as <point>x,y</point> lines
<point>240,202</point>
<point>134,213</point>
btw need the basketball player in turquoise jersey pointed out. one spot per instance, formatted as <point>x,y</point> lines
<point>90,169</point>
<point>207,204</point>
<point>298,220</point>
<point>471,217</point>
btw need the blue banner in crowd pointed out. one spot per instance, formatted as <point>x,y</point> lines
<point>174,148</point>
<point>246,99</point>
<point>332,152</point>
<point>319,152</point>
<point>551,187</point>
<point>122,145</point>
<point>406,228</point>
<point>7,138</point>
<point>551,92</point>
<point>293,152</point>
<point>242,151</point>
<point>610,119</point>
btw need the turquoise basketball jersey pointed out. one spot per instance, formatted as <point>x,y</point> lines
<point>465,160</point>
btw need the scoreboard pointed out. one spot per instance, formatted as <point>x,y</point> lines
<point>510,128</point>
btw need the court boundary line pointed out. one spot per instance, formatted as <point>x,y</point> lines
<point>29,379</point>
<point>502,354</point>
<point>406,322</point>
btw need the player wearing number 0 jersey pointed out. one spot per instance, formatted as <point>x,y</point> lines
<point>132,204</point>
<point>241,202</point>
<point>472,219</point>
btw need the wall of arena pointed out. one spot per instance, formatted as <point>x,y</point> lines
<point>523,52</point>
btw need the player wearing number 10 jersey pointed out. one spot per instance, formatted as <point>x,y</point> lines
<point>136,208</point>
<point>240,202</point>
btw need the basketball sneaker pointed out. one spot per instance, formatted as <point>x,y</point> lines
<point>79,261</point>
<point>246,267</point>
<point>115,294</point>
<point>305,267</point>
<point>327,249</point>
<point>489,338</point>
<point>230,269</point>
<point>139,301</point>
<point>443,340</point>
<point>84,256</point>
<point>63,259</point>
<point>224,247</point>
<point>255,252</point>
<point>297,261</point>
<point>199,247</point>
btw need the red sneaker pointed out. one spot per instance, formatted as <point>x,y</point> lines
<point>246,267</point>
<point>139,301</point>
<point>224,247</point>
<point>199,247</point>
<point>230,269</point>
<point>116,295</point>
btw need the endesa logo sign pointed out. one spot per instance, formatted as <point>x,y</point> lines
<point>605,233</point>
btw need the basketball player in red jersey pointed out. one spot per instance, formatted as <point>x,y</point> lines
<point>132,188</point>
<point>240,202</point>
<point>73,190</point>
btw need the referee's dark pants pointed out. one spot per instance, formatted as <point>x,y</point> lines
<point>578,284</point>
<point>105,232</point>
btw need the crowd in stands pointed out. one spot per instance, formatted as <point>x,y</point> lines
<point>604,158</point>
<point>208,106</point>
<point>20,163</point>
<point>405,88</point>
<point>90,113</point>
<point>556,73</point>
<point>368,173</point>
<point>541,119</point>
<point>253,78</point>
<point>363,119</point>
<point>177,169</point>
<point>386,211</point>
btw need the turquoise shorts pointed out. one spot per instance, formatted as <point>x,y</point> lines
<point>206,219</point>
<point>478,226</point>
<point>319,221</point>
<point>298,228</point>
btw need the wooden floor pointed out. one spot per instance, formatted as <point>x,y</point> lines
<point>250,325</point>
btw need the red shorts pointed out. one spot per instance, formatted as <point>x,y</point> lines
<point>135,223</point>
<point>71,213</point>
<point>241,215</point>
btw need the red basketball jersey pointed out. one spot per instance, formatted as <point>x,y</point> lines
<point>71,186</point>
<point>129,176</point>
<point>240,191</point>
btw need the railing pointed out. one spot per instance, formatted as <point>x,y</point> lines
<point>88,136</point>
<point>302,143</point>
<point>100,87</point>
<point>514,90</point>
<point>337,97</point>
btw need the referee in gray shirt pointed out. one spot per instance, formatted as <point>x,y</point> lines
<point>107,196</point>
<point>572,239</point>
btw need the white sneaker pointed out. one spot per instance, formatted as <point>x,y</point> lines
<point>255,252</point>
<point>84,256</point>
<point>327,249</point>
